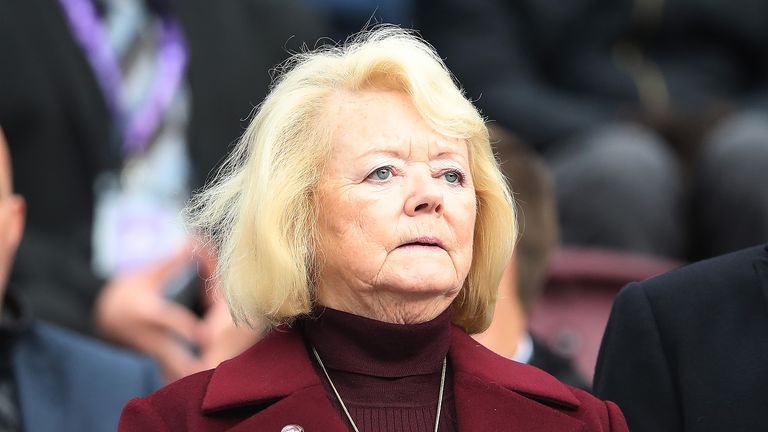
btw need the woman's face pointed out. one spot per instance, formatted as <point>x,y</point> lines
<point>396,210</point>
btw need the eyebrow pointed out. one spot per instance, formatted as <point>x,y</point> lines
<point>397,153</point>
<point>389,152</point>
<point>450,153</point>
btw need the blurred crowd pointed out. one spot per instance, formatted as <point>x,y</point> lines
<point>637,127</point>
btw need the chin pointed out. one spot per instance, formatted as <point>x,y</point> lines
<point>425,284</point>
<point>417,275</point>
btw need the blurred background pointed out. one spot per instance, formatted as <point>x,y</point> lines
<point>634,134</point>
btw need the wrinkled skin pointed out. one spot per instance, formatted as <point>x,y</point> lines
<point>397,211</point>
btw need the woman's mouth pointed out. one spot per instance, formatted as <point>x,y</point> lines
<point>423,242</point>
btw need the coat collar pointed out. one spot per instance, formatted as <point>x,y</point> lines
<point>251,377</point>
<point>490,391</point>
<point>471,359</point>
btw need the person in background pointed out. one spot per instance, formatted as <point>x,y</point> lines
<point>688,351</point>
<point>52,378</point>
<point>525,275</point>
<point>346,17</point>
<point>365,209</point>
<point>115,110</point>
<point>653,115</point>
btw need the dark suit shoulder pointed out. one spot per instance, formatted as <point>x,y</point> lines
<point>679,306</point>
<point>100,359</point>
<point>718,269</point>
<point>706,281</point>
<point>679,344</point>
<point>60,372</point>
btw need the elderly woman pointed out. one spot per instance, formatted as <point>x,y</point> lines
<point>363,214</point>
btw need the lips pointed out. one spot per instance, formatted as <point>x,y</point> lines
<point>424,242</point>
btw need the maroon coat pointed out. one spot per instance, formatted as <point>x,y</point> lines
<point>274,384</point>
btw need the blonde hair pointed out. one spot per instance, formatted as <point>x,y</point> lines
<point>259,214</point>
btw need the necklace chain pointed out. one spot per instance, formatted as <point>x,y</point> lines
<point>346,411</point>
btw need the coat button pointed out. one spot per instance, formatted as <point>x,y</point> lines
<point>292,428</point>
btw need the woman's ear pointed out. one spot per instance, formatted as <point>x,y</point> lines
<point>12,215</point>
<point>16,218</point>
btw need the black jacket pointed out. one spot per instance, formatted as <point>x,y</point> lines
<point>688,350</point>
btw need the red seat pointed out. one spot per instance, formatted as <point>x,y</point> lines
<point>572,312</point>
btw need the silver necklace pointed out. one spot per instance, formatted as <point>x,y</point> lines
<point>344,407</point>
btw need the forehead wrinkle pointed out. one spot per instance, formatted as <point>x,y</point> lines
<point>442,152</point>
<point>445,148</point>
<point>388,152</point>
<point>388,144</point>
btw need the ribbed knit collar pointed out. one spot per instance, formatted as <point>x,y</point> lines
<point>356,344</point>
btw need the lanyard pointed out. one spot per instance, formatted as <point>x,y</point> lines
<point>136,127</point>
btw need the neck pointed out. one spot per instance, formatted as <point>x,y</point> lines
<point>509,319</point>
<point>384,372</point>
<point>389,307</point>
<point>357,344</point>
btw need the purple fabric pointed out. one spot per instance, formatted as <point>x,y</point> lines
<point>172,59</point>
<point>90,33</point>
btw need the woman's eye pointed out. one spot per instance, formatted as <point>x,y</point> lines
<point>452,177</point>
<point>383,173</point>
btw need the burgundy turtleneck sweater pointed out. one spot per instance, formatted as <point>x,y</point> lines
<point>387,374</point>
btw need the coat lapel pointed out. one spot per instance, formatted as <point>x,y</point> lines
<point>486,407</point>
<point>308,408</point>
<point>278,374</point>
<point>493,393</point>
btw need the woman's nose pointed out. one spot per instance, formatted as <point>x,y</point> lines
<point>425,196</point>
